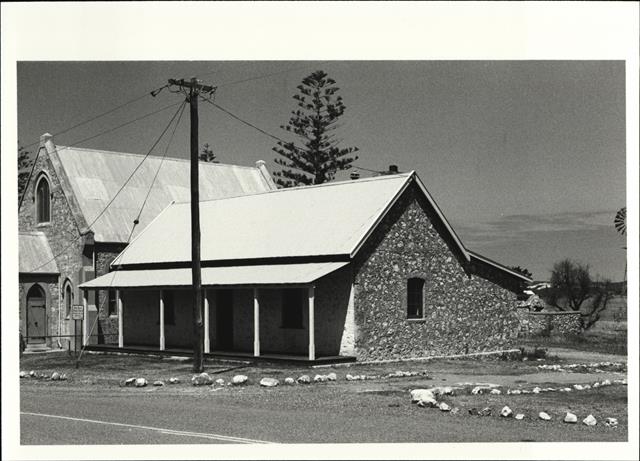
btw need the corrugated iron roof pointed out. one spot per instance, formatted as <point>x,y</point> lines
<point>33,251</point>
<point>328,219</point>
<point>273,274</point>
<point>95,177</point>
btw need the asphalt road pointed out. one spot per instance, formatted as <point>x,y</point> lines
<point>61,414</point>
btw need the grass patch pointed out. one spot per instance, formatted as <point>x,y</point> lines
<point>590,341</point>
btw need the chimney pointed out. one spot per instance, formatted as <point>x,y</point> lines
<point>355,174</point>
<point>46,138</point>
<point>393,169</point>
<point>261,165</point>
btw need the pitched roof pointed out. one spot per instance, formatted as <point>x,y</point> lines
<point>324,220</point>
<point>491,262</point>
<point>33,250</point>
<point>95,176</point>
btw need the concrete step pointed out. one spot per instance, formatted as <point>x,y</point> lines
<point>33,348</point>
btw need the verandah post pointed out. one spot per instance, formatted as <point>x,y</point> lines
<point>256,324</point>
<point>207,344</point>
<point>312,324</point>
<point>120,320</point>
<point>85,307</point>
<point>161,320</point>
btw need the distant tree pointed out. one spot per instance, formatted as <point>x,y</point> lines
<point>207,155</point>
<point>317,115</point>
<point>522,271</point>
<point>573,289</point>
<point>24,167</point>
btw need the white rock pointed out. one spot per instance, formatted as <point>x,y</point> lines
<point>238,380</point>
<point>289,381</point>
<point>32,373</point>
<point>455,410</point>
<point>496,391</point>
<point>578,387</point>
<point>332,377</point>
<point>565,389</point>
<point>519,416</point>
<point>130,382</point>
<point>158,383</point>
<point>586,386</point>
<point>202,379</point>
<point>544,416</point>
<point>141,382</point>
<point>506,412</point>
<point>63,377</point>
<point>428,402</point>
<point>349,377</point>
<point>55,376</point>
<point>570,418</point>
<point>220,382</point>
<point>611,422</point>
<point>269,382</point>
<point>596,385</point>
<point>421,394</point>
<point>174,380</point>
<point>606,382</point>
<point>23,374</point>
<point>444,407</point>
<point>478,390</point>
<point>319,378</point>
<point>589,421</point>
<point>535,390</point>
<point>516,391</point>
<point>304,379</point>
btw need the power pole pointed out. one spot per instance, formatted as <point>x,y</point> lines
<point>194,88</point>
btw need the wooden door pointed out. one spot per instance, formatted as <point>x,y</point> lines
<point>36,315</point>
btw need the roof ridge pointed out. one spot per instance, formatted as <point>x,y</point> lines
<point>313,186</point>
<point>166,157</point>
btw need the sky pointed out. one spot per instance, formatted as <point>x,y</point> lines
<point>525,158</point>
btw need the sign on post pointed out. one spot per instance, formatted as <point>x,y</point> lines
<point>77,312</point>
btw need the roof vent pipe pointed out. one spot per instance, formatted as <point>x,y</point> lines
<point>355,174</point>
<point>393,169</point>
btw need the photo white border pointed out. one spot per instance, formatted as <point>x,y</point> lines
<point>361,31</point>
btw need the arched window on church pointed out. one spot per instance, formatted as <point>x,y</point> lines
<point>43,200</point>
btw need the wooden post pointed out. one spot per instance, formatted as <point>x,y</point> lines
<point>207,344</point>
<point>120,320</point>
<point>161,320</point>
<point>256,324</point>
<point>85,330</point>
<point>312,324</point>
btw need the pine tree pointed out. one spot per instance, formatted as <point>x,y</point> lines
<point>207,155</point>
<point>24,167</point>
<point>319,108</point>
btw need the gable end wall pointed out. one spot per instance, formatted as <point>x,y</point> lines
<point>462,312</point>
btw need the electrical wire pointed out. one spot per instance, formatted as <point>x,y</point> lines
<point>116,194</point>
<point>164,155</point>
<point>272,136</point>
<point>258,77</point>
<point>110,111</point>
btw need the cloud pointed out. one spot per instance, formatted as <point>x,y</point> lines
<point>520,227</point>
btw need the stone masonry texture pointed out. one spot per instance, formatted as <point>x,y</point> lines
<point>463,312</point>
<point>64,239</point>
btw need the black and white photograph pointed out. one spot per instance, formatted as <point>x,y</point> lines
<point>412,254</point>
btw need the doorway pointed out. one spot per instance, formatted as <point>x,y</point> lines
<point>36,315</point>
<point>224,320</point>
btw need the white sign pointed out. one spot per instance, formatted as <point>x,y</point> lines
<point>77,312</point>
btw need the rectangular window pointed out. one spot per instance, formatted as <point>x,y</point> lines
<point>292,307</point>
<point>415,298</point>
<point>112,306</point>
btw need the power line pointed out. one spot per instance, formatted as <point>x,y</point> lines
<point>272,136</point>
<point>258,77</point>
<point>73,241</point>
<point>110,111</point>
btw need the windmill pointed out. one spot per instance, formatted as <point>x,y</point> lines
<point>620,222</point>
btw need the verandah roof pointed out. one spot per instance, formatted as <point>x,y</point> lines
<point>268,274</point>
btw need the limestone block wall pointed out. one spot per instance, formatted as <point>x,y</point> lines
<point>64,239</point>
<point>551,323</point>
<point>107,326</point>
<point>463,312</point>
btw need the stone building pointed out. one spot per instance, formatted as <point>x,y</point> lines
<point>366,269</point>
<point>71,227</point>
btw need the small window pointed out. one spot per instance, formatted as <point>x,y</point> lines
<point>43,201</point>
<point>68,298</point>
<point>112,305</point>
<point>292,307</point>
<point>169,308</point>
<point>415,298</point>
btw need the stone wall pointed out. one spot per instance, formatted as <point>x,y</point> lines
<point>107,326</point>
<point>463,312</point>
<point>550,323</point>
<point>64,239</point>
